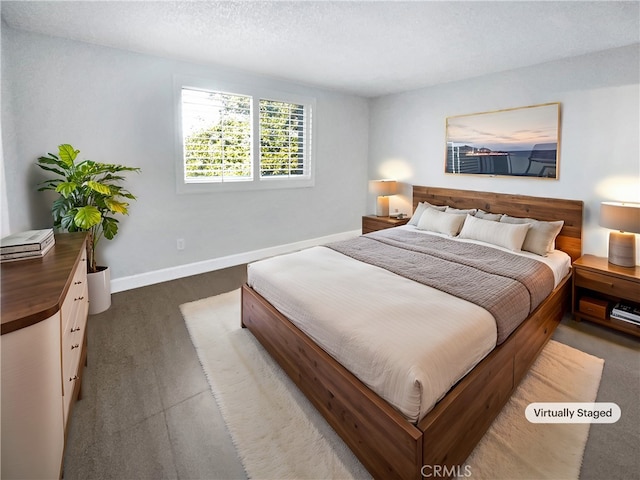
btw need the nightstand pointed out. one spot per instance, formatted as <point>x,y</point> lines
<point>371,223</point>
<point>598,285</point>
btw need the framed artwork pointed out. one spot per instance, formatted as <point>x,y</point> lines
<point>520,142</point>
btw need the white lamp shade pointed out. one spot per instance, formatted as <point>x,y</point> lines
<point>624,217</point>
<point>384,187</point>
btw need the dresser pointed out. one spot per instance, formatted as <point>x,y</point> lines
<point>43,351</point>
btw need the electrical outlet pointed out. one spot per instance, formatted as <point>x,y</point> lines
<point>180,243</point>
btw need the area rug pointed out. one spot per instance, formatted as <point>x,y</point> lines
<point>279,435</point>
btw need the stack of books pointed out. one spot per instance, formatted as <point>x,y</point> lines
<point>26,245</point>
<point>627,313</point>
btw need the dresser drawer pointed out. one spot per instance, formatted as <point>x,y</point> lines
<point>599,282</point>
<point>71,360</point>
<point>73,344</point>
<point>69,378</point>
<point>70,311</point>
<point>72,335</point>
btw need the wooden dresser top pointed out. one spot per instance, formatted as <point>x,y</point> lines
<point>33,290</point>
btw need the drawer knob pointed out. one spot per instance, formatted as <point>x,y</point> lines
<point>75,377</point>
<point>79,298</point>
<point>75,329</point>
<point>77,283</point>
<point>75,346</point>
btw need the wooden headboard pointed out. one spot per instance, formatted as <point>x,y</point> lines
<point>569,239</point>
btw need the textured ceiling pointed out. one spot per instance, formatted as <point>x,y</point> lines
<point>366,48</point>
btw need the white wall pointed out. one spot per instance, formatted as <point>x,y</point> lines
<point>117,106</point>
<point>599,144</point>
<point>6,131</point>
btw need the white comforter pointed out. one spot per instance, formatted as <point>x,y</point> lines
<point>408,342</point>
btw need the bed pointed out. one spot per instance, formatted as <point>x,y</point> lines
<point>392,442</point>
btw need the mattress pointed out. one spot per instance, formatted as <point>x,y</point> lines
<point>408,342</point>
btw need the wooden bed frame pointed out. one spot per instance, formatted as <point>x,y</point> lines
<point>386,443</point>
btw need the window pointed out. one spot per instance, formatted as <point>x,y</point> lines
<point>216,129</point>
<point>246,139</point>
<point>282,139</point>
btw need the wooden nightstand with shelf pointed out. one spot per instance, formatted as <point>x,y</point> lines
<point>598,285</point>
<point>371,223</point>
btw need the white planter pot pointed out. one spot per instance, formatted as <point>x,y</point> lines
<point>99,284</point>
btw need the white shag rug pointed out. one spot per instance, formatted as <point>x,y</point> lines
<point>279,435</point>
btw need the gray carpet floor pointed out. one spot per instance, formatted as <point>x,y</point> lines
<point>147,411</point>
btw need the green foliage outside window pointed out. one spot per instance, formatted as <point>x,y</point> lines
<point>219,151</point>
<point>222,148</point>
<point>281,138</point>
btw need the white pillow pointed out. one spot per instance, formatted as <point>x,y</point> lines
<point>442,222</point>
<point>422,206</point>
<point>506,235</point>
<point>541,237</point>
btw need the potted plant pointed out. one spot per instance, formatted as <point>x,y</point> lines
<point>90,195</point>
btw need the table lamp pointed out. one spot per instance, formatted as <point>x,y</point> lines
<point>625,218</point>
<point>383,188</point>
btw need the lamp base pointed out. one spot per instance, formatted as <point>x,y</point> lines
<point>382,207</point>
<point>622,249</point>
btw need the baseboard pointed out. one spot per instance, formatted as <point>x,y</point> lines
<point>180,271</point>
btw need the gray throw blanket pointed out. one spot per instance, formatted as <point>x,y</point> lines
<point>509,286</point>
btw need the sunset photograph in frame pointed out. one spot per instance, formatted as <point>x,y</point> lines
<point>522,142</point>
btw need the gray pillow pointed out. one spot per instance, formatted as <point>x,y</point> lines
<point>470,211</point>
<point>541,236</point>
<point>494,217</point>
